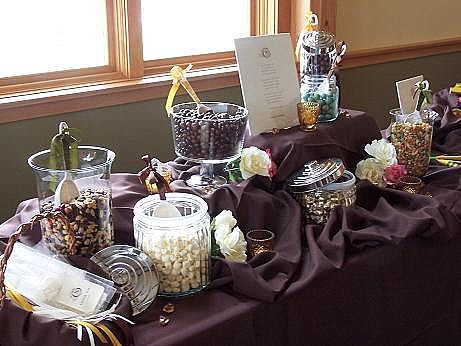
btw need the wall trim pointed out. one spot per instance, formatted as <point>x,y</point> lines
<point>73,99</point>
<point>402,52</point>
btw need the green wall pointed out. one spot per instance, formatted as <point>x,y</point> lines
<point>143,127</point>
<point>372,88</point>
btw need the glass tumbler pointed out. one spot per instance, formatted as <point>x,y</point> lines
<point>411,135</point>
<point>82,226</point>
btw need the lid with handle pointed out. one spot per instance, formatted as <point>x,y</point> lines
<point>316,174</point>
<point>319,40</point>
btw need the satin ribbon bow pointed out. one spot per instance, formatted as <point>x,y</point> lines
<point>179,78</point>
<point>311,25</point>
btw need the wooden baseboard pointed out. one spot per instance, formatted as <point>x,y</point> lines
<point>395,53</point>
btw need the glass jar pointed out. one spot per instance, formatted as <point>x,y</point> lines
<point>85,223</point>
<point>411,135</point>
<point>317,54</point>
<point>178,243</point>
<point>321,186</point>
<point>325,92</point>
<point>214,136</point>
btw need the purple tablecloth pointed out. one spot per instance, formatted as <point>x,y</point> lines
<point>384,271</point>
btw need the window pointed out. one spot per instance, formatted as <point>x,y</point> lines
<point>52,35</point>
<point>114,51</point>
<point>192,27</point>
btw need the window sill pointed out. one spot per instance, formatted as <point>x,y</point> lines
<point>71,99</point>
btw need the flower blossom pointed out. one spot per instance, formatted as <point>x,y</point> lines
<point>229,237</point>
<point>254,161</point>
<point>383,151</point>
<point>393,173</point>
<point>371,169</point>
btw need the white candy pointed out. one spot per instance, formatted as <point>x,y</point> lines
<point>179,259</point>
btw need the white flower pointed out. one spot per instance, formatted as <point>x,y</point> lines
<point>225,218</point>
<point>233,246</point>
<point>221,231</point>
<point>383,151</point>
<point>371,169</point>
<point>254,161</point>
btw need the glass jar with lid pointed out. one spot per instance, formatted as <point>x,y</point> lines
<point>317,54</point>
<point>321,186</point>
<point>324,91</point>
<point>175,233</point>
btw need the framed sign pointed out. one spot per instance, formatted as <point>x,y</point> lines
<point>269,81</point>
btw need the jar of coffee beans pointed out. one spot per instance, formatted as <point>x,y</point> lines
<point>81,226</point>
<point>325,92</point>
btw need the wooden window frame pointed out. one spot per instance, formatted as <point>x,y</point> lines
<point>127,78</point>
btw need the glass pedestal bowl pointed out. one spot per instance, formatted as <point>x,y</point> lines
<point>209,137</point>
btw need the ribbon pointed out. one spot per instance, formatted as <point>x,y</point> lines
<point>423,93</point>
<point>90,329</point>
<point>456,89</point>
<point>311,25</point>
<point>179,78</point>
<point>18,299</point>
<point>113,339</point>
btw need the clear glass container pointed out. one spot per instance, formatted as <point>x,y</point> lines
<point>86,223</point>
<point>179,245</point>
<point>321,186</point>
<point>317,54</point>
<point>318,204</point>
<point>411,135</point>
<point>325,92</point>
<point>214,136</point>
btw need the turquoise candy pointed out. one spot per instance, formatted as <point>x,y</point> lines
<point>327,101</point>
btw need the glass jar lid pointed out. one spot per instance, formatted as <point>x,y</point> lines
<point>189,208</point>
<point>132,271</point>
<point>315,175</point>
<point>319,40</point>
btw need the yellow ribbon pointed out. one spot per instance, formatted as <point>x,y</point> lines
<point>109,333</point>
<point>179,78</point>
<point>18,299</point>
<point>311,25</point>
<point>93,328</point>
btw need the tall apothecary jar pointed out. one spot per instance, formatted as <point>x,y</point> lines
<point>178,241</point>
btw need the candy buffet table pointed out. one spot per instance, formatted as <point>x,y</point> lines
<point>384,271</point>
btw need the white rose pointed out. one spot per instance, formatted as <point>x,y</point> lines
<point>225,218</point>
<point>233,246</point>
<point>221,231</point>
<point>254,161</point>
<point>383,151</point>
<point>372,170</point>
